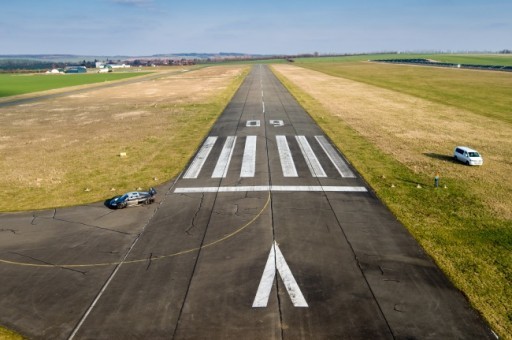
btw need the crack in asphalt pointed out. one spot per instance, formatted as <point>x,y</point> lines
<point>49,263</point>
<point>75,222</point>
<point>101,216</point>
<point>193,225</point>
<point>361,268</point>
<point>237,212</point>
<point>34,217</point>
<point>11,230</point>
<point>149,261</point>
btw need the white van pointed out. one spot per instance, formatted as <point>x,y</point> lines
<point>467,156</point>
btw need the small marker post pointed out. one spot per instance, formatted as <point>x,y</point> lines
<point>436,180</point>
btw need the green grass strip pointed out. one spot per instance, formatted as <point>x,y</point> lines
<point>468,243</point>
<point>16,84</point>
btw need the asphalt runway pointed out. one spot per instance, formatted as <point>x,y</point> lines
<point>268,233</point>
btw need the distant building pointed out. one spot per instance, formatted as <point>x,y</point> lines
<point>117,66</point>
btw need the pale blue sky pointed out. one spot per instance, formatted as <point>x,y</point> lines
<point>146,27</point>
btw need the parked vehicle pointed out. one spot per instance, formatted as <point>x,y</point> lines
<point>467,156</point>
<point>133,198</point>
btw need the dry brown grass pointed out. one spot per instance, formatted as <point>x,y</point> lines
<point>52,150</point>
<point>419,133</point>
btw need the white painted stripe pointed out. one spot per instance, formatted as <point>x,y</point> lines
<point>222,189</point>
<point>249,158</point>
<point>291,285</point>
<point>266,282</point>
<point>276,261</point>
<point>277,188</point>
<point>198,162</point>
<point>317,188</point>
<point>285,155</point>
<point>313,164</point>
<point>263,106</point>
<point>335,158</point>
<point>221,169</point>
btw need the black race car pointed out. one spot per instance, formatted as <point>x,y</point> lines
<point>133,198</point>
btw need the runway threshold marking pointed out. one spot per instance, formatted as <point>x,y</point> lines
<point>285,155</point>
<point>198,162</point>
<point>313,163</point>
<point>272,188</point>
<point>221,169</point>
<point>276,261</point>
<point>335,158</point>
<point>249,158</point>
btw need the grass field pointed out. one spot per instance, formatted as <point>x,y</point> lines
<point>474,59</point>
<point>16,84</point>
<point>52,151</point>
<point>483,92</point>
<point>397,140</point>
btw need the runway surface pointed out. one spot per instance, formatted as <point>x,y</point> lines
<point>269,233</point>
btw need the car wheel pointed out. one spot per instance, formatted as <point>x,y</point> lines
<point>467,162</point>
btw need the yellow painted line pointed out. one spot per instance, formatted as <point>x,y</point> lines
<point>183,252</point>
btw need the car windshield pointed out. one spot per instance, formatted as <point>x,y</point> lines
<point>122,198</point>
<point>474,154</point>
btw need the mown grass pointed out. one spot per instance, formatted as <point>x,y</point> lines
<point>15,84</point>
<point>470,244</point>
<point>483,92</point>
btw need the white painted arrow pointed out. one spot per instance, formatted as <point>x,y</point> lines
<point>276,259</point>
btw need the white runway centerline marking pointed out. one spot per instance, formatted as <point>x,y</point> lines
<point>285,155</point>
<point>249,158</point>
<point>276,261</point>
<point>274,188</point>
<point>313,164</point>
<point>335,158</point>
<point>198,162</point>
<point>221,169</point>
